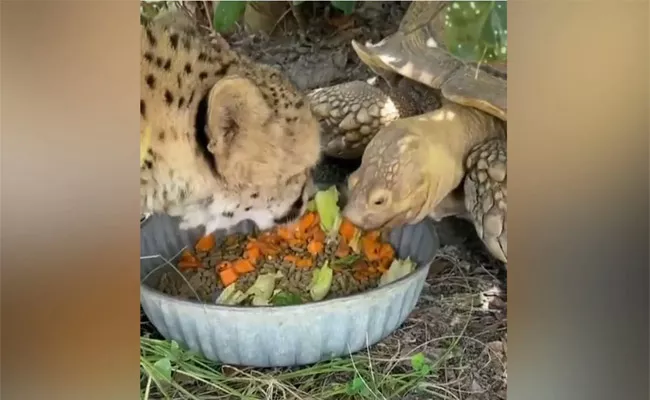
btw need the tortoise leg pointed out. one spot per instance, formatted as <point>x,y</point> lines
<point>486,194</point>
<point>351,114</point>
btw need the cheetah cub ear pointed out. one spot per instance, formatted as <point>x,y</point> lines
<point>250,142</point>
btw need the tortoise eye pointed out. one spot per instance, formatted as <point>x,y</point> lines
<point>379,197</point>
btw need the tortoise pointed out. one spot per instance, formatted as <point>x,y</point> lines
<point>430,131</point>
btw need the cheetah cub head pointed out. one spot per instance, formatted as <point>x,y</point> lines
<point>261,142</point>
<point>251,143</point>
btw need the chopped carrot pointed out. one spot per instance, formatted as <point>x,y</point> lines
<point>285,233</point>
<point>386,252</point>
<point>224,265</point>
<point>189,260</point>
<point>347,230</point>
<point>270,238</point>
<point>243,266</point>
<point>253,254</point>
<point>304,263</point>
<point>306,222</point>
<point>268,249</point>
<point>295,243</point>
<point>315,247</point>
<point>343,250</point>
<point>188,256</point>
<point>228,276</point>
<point>317,234</point>
<point>371,248</point>
<point>206,243</point>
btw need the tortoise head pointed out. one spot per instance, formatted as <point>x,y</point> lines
<point>390,187</point>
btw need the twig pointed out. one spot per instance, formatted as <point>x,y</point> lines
<point>284,14</point>
<point>302,25</point>
<point>208,13</point>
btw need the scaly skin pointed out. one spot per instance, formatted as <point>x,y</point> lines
<point>486,194</point>
<point>352,113</point>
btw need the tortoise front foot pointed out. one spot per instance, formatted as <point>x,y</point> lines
<point>486,194</point>
<point>350,115</point>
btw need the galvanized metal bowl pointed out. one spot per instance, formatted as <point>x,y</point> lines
<point>279,336</point>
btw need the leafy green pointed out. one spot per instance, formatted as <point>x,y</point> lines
<point>286,299</point>
<point>163,368</point>
<point>231,296</point>
<point>321,282</point>
<point>397,269</point>
<point>347,7</point>
<point>358,387</point>
<point>328,208</point>
<point>226,14</point>
<point>347,260</point>
<point>420,364</point>
<point>477,30</point>
<point>262,289</point>
<point>355,242</point>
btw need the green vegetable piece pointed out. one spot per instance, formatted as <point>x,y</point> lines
<point>347,260</point>
<point>262,289</point>
<point>231,296</point>
<point>397,269</point>
<point>286,299</point>
<point>355,242</point>
<point>321,282</point>
<point>328,208</point>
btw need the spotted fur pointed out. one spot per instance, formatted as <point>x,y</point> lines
<point>230,139</point>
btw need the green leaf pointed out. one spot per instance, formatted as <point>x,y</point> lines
<point>347,260</point>
<point>321,282</point>
<point>286,299</point>
<point>231,296</point>
<point>420,364</point>
<point>328,209</point>
<point>397,270</point>
<point>347,7</point>
<point>357,387</point>
<point>163,368</point>
<point>477,30</point>
<point>263,288</point>
<point>226,14</point>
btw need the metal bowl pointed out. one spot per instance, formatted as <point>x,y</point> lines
<point>279,336</point>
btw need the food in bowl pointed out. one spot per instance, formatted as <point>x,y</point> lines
<point>320,257</point>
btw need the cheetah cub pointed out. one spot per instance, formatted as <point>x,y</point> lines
<point>228,139</point>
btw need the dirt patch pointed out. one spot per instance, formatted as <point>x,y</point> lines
<point>322,55</point>
<point>463,306</point>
